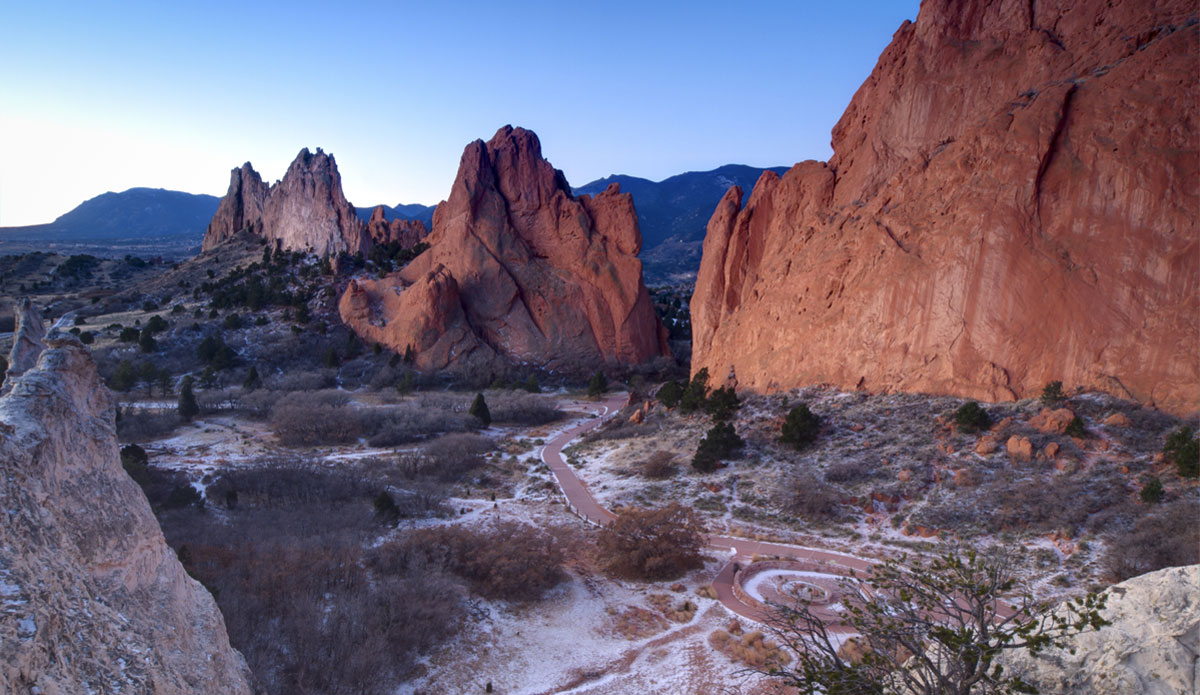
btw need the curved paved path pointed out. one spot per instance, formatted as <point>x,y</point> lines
<point>741,550</point>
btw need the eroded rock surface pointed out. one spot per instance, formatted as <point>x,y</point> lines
<point>27,338</point>
<point>1011,201</point>
<point>305,211</point>
<point>405,233</point>
<point>1151,647</point>
<point>519,269</point>
<point>92,600</point>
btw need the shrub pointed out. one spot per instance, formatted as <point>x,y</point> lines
<point>970,417</point>
<point>1052,393</point>
<point>129,335</point>
<point>670,393</point>
<point>213,352</point>
<point>479,409</point>
<point>253,381</point>
<point>531,384</point>
<point>124,377</point>
<point>509,560</point>
<point>695,393</point>
<point>719,443</point>
<point>135,462</point>
<point>187,406</point>
<point>800,427</point>
<point>597,385</point>
<point>1182,449</point>
<point>1075,428</point>
<point>87,337</point>
<point>232,322</point>
<point>156,324</point>
<point>651,544</point>
<point>722,404</point>
<point>659,465</point>
<point>813,498</point>
<point>1166,537</point>
<point>1152,491</point>
<point>140,425</point>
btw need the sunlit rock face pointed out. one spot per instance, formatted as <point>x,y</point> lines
<point>305,211</point>
<point>92,600</point>
<point>1012,200</point>
<point>518,269</point>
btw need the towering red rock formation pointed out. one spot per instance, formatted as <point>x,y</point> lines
<point>406,233</point>
<point>1012,200</point>
<point>305,211</point>
<point>518,268</point>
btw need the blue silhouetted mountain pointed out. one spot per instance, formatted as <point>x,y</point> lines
<point>414,211</point>
<point>673,213</point>
<point>137,213</point>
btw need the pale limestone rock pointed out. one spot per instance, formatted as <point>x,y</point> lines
<point>1151,648</point>
<point>91,597</point>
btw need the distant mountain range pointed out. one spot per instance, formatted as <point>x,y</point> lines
<point>136,213</point>
<point>677,209</point>
<point>672,214</point>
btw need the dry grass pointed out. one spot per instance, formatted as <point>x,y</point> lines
<point>749,648</point>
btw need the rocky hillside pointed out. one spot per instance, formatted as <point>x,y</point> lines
<point>519,269</point>
<point>1152,646</point>
<point>305,211</point>
<point>91,597</point>
<point>1010,202</point>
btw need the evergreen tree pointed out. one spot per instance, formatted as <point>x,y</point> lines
<point>721,442</point>
<point>532,385</point>
<point>695,393</point>
<point>147,342</point>
<point>722,404</point>
<point>970,417</point>
<point>1053,394</point>
<point>800,427</point>
<point>331,359</point>
<point>252,379</point>
<point>597,385</point>
<point>480,410</point>
<point>1184,451</point>
<point>124,377</point>
<point>188,408</point>
<point>1152,491</point>
<point>670,393</point>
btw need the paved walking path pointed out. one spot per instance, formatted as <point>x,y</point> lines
<point>741,550</point>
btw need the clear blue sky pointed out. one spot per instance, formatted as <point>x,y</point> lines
<point>98,96</point>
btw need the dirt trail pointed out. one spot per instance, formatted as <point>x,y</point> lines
<point>741,550</point>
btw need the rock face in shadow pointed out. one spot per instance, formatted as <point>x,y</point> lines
<point>519,269</point>
<point>1011,201</point>
<point>405,233</point>
<point>91,597</point>
<point>1150,648</point>
<point>304,211</point>
<point>27,338</point>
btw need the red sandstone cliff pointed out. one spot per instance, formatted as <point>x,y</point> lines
<point>304,211</point>
<point>1012,200</point>
<point>519,268</point>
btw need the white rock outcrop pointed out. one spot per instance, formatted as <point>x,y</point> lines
<point>92,600</point>
<point>1151,647</point>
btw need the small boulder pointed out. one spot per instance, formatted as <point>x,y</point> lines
<point>1052,421</point>
<point>1019,448</point>
<point>1117,420</point>
<point>987,445</point>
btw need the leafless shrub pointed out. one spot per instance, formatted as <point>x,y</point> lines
<point>651,543</point>
<point>142,425</point>
<point>451,457</point>
<point>1167,537</point>
<point>852,471</point>
<point>309,380</point>
<point>522,409</point>
<point>509,560</point>
<point>659,465</point>
<point>813,498</point>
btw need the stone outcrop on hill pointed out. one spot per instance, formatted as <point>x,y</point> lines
<point>304,211</point>
<point>519,269</point>
<point>91,597</point>
<point>1011,201</point>
<point>1151,647</point>
<point>27,339</point>
<point>406,233</point>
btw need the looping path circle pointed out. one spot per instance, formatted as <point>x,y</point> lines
<point>742,552</point>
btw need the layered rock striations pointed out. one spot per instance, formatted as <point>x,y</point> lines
<point>305,211</point>
<point>1152,646</point>
<point>519,269</point>
<point>1012,200</point>
<point>91,597</point>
